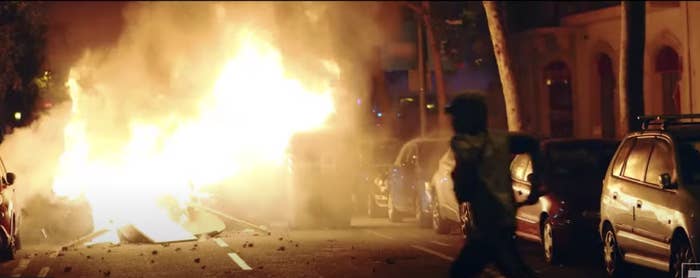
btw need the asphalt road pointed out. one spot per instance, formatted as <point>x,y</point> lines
<point>371,248</point>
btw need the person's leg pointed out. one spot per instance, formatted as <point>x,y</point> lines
<point>471,259</point>
<point>508,259</point>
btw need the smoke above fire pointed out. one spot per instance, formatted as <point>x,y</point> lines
<point>195,95</point>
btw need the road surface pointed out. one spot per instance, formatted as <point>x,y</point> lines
<point>371,248</point>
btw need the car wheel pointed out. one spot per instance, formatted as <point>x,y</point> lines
<point>373,211</point>
<point>391,211</point>
<point>612,257</point>
<point>8,250</point>
<point>680,254</point>
<point>440,225</point>
<point>550,250</point>
<point>464,220</point>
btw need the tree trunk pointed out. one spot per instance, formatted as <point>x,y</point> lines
<point>501,51</point>
<point>632,40</point>
<point>437,64</point>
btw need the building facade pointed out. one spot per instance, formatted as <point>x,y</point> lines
<point>568,75</point>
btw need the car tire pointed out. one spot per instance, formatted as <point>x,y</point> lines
<point>8,250</point>
<point>680,254</point>
<point>612,257</point>
<point>373,211</point>
<point>393,214</point>
<point>440,224</point>
<point>551,251</point>
<point>424,220</point>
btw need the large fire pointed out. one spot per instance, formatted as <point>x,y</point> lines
<point>244,122</point>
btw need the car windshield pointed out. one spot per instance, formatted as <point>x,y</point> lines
<point>579,160</point>
<point>689,154</point>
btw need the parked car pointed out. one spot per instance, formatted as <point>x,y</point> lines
<point>9,218</point>
<point>376,165</point>
<point>406,180</point>
<point>445,210</point>
<point>651,194</point>
<point>567,212</point>
<point>322,179</point>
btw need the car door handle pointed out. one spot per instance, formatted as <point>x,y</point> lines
<point>639,204</point>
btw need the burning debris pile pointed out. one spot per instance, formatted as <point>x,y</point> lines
<point>202,95</point>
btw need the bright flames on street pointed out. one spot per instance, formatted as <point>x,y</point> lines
<point>244,122</point>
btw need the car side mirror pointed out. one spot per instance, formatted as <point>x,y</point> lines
<point>10,178</point>
<point>666,182</point>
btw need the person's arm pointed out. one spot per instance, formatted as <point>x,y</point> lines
<point>524,144</point>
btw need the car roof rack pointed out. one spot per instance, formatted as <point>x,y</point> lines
<point>667,120</point>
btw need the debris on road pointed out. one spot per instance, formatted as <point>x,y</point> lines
<point>204,266</point>
<point>281,239</point>
<point>296,245</point>
<point>67,269</point>
<point>60,254</point>
<point>178,249</point>
<point>153,261</point>
<point>88,257</point>
<point>281,248</point>
<point>64,248</point>
<point>260,267</point>
<point>250,244</point>
<point>155,252</point>
<point>109,250</point>
<point>196,260</point>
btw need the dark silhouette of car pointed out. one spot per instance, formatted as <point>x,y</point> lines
<point>405,182</point>
<point>378,160</point>
<point>9,219</point>
<point>322,179</point>
<point>567,212</point>
<point>651,197</point>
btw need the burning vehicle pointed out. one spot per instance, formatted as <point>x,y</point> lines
<point>322,179</point>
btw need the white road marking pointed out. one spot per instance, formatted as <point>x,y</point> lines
<point>433,252</point>
<point>240,262</point>
<point>221,242</point>
<point>43,272</point>
<point>381,235</point>
<point>440,243</point>
<point>23,263</point>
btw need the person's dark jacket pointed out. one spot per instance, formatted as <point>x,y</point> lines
<point>482,175</point>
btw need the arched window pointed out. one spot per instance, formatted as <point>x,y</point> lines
<point>668,67</point>
<point>607,95</point>
<point>558,81</point>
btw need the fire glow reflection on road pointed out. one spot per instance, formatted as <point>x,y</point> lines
<point>247,119</point>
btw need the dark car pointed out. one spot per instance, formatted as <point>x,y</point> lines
<point>568,210</point>
<point>378,159</point>
<point>407,178</point>
<point>9,219</point>
<point>651,197</point>
<point>322,166</point>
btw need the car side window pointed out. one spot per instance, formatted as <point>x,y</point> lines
<point>409,157</point>
<point>636,165</point>
<point>622,156</point>
<point>517,167</point>
<point>661,162</point>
